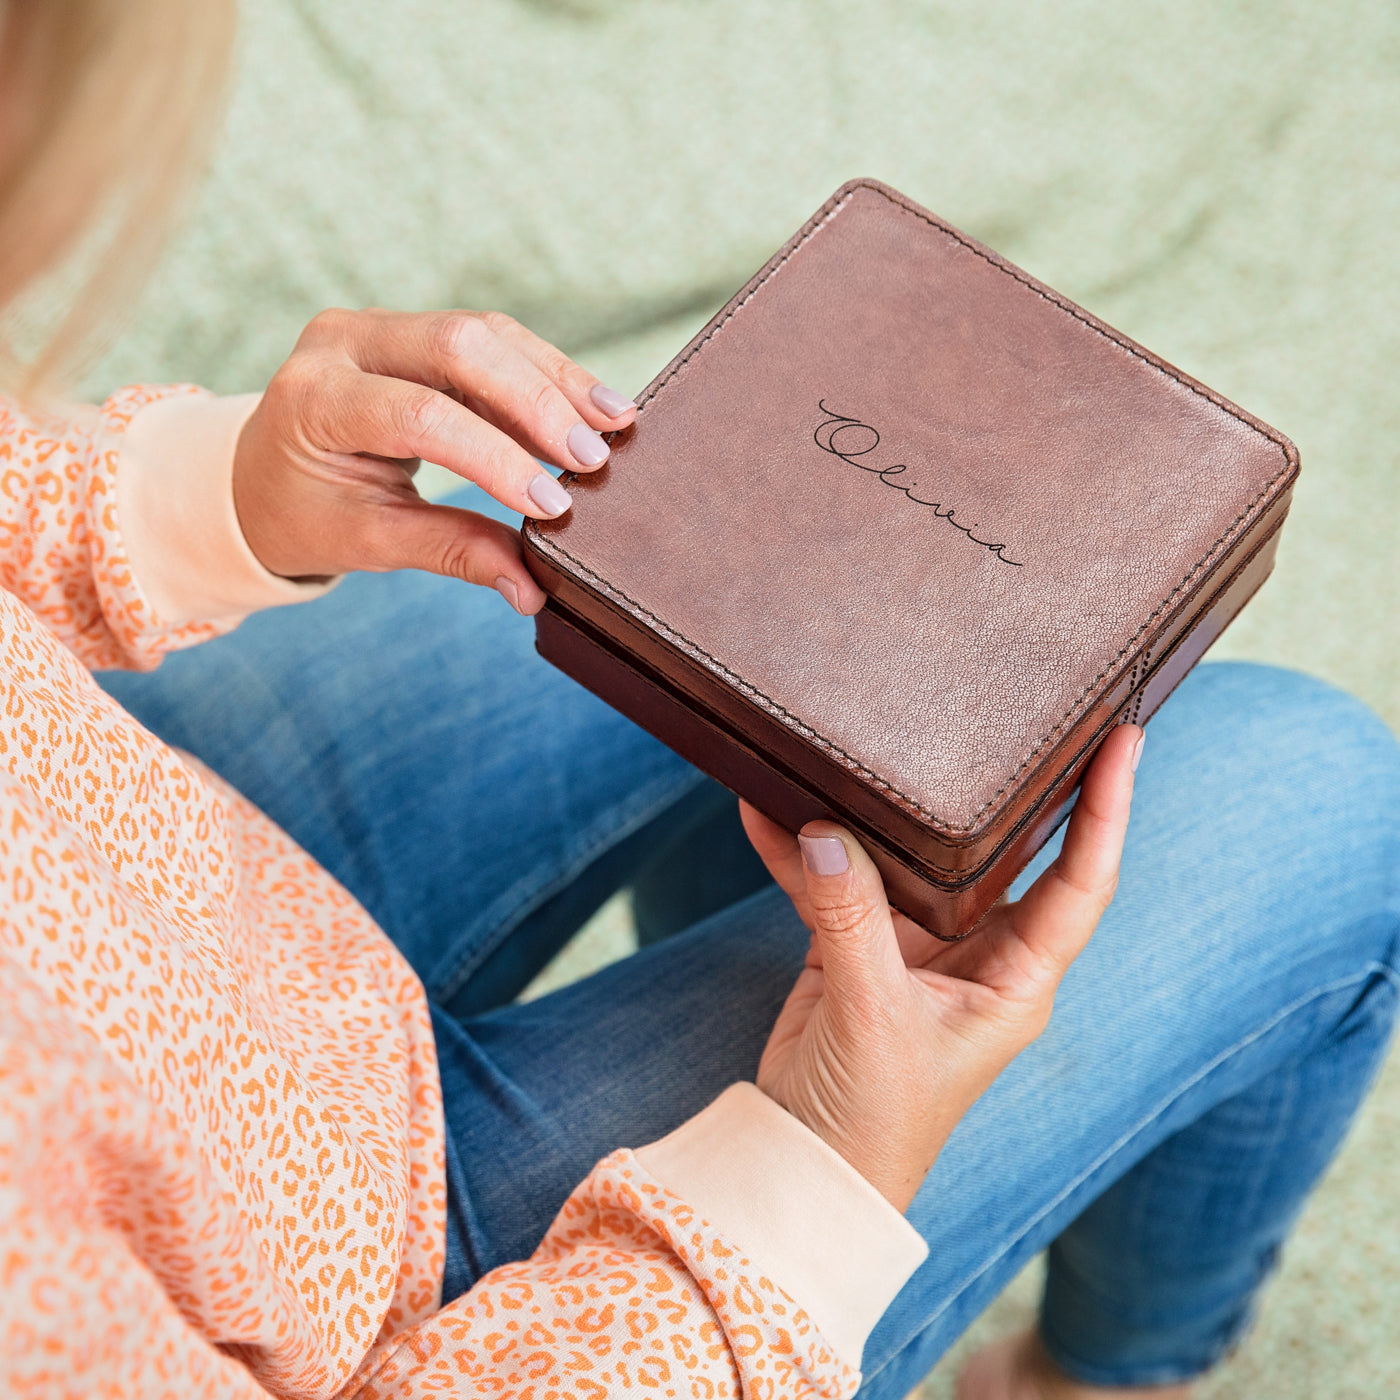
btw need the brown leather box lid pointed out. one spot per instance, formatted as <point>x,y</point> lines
<point>909,504</point>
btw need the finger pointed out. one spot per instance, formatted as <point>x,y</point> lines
<point>777,848</point>
<point>1058,913</point>
<point>356,413</point>
<point>414,534</point>
<point>604,408</point>
<point>850,916</point>
<point>490,374</point>
<point>779,851</point>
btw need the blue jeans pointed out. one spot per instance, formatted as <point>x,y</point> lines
<point>1206,1052</point>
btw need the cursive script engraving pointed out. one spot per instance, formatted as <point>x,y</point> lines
<point>850,439</point>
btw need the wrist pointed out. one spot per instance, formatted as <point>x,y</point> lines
<point>794,1207</point>
<point>895,1169</point>
<point>176,506</point>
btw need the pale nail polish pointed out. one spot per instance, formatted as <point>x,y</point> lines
<point>824,855</point>
<point>549,495</point>
<point>610,401</point>
<point>507,589</point>
<point>588,448</point>
<point>1137,750</point>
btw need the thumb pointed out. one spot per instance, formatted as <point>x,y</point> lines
<point>854,933</point>
<point>459,543</point>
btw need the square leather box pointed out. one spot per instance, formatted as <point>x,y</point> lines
<point>898,537</point>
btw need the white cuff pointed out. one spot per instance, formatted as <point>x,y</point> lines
<point>796,1208</point>
<point>177,518</point>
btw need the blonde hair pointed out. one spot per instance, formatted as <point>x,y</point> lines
<point>106,109</point>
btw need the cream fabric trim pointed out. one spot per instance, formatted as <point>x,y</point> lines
<point>797,1209</point>
<point>177,517</point>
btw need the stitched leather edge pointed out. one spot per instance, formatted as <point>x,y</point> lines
<point>804,235</point>
<point>825,215</point>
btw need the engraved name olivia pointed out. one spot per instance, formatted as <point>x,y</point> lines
<point>850,440</point>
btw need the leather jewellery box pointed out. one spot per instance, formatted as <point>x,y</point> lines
<point>899,537</point>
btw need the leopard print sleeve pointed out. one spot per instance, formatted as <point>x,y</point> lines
<point>629,1293</point>
<point>61,548</point>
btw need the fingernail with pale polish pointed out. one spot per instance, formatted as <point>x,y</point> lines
<point>1137,751</point>
<point>549,495</point>
<point>588,448</point>
<point>610,401</point>
<point>507,589</point>
<point>823,855</point>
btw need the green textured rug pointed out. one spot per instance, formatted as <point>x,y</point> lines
<point>1222,182</point>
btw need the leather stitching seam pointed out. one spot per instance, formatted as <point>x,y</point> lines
<point>1140,681</point>
<point>817,223</point>
<point>825,216</point>
<point>807,732</point>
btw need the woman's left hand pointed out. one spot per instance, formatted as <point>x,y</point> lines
<point>323,471</point>
<point>889,1036</point>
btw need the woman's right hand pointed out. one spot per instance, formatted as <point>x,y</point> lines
<point>890,1036</point>
<point>323,470</point>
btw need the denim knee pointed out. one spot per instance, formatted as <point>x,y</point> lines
<point>1287,716</point>
<point>1301,780</point>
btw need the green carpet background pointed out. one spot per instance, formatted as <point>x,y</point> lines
<point>1219,181</point>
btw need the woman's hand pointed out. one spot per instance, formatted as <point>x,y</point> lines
<point>323,472</point>
<point>889,1036</point>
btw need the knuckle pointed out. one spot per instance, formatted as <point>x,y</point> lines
<point>554,361</point>
<point>1104,896</point>
<point>457,335</point>
<point>542,400</point>
<point>575,376</point>
<point>457,559</point>
<point>294,377</point>
<point>497,322</point>
<point>305,385</point>
<point>1095,892</point>
<point>840,913</point>
<point>500,471</point>
<point>328,326</point>
<point>560,368</point>
<point>1047,967</point>
<point>415,413</point>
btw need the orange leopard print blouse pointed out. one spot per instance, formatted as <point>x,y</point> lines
<point>221,1140</point>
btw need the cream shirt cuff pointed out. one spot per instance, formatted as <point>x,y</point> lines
<point>177,518</point>
<point>797,1209</point>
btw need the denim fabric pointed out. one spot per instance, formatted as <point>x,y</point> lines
<point>1205,1055</point>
